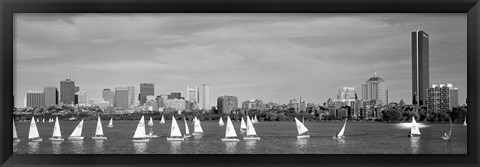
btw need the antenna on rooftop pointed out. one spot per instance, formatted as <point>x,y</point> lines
<point>375,72</point>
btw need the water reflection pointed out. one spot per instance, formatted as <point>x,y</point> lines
<point>175,147</point>
<point>250,144</point>
<point>15,147</point>
<point>77,146</point>
<point>301,146</point>
<point>98,147</point>
<point>140,148</point>
<point>56,147</point>
<point>230,147</point>
<point>415,144</point>
<point>33,147</point>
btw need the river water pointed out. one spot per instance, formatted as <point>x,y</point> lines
<point>276,138</point>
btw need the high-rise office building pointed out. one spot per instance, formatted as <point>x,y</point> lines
<point>51,95</point>
<point>131,96</point>
<point>146,89</point>
<point>442,97</point>
<point>375,88</point>
<point>121,97</point>
<point>109,96</point>
<point>205,96</point>
<point>227,104</point>
<point>346,93</point>
<point>192,94</point>
<point>175,95</point>
<point>67,92</point>
<point>35,99</point>
<point>77,89</point>
<point>420,67</point>
<point>81,98</point>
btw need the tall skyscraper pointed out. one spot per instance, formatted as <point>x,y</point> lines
<point>81,98</point>
<point>375,88</point>
<point>146,89</point>
<point>227,104</point>
<point>35,99</point>
<point>205,96</point>
<point>67,92</point>
<point>51,95</point>
<point>192,94</point>
<point>121,97</point>
<point>420,67</point>
<point>131,96</point>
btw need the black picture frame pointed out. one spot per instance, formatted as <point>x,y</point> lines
<point>9,7</point>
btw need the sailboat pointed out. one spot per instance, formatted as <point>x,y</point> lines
<point>150,134</point>
<point>340,135</point>
<point>251,133</point>
<point>99,131</point>
<point>302,130</point>
<point>243,126</point>
<point>414,130</point>
<point>187,131</point>
<point>77,133</point>
<point>57,134</point>
<point>230,134</point>
<point>162,121</point>
<point>175,133</point>
<point>465,122</point>
<point>110,125</point>
<point>445,136</point>
<point>221,121</point>
<point>197,128</point>
<point>38,119</point>
<point>43,120</point>
<point>33,132</point>
<point>140,136</point>
<point>15,137</point>
<point>255,120</point>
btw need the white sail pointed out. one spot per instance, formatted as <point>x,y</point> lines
<point>187,131</point>
<point>33,132</point>
<point>414,130</point>
<point>150,123</point>
<point>250,128</point>
<point>99,131</point>
<point>78,129</point>
<point>38,119</point>
<point>14,131</point>
<point>256,120</point>
<point>340,134</point>
<point>175,130</point>
<point>300,127</point>
<point>43,120</point>
<point>221,121</point>
<point>110,124</point>
<point>197,128</point>
<point>243,125</point>
<point>465,122</point>
<point>162,121</point>
<point>230,131</point>
<point>56,129</point>
<point>140,131</point>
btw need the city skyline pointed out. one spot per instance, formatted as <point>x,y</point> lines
<point>273,57</point>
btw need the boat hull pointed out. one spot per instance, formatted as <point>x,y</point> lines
<point>251,138</point>
<point>197,133</point>
<point>338,138</point>
<point>230,140</point>
<point>243,130</point>
<point>303,137</point>
<point>187,136</point>
<point>36,140</point>
<point>16,140</point>
<point>99,138</point>
<point>151,136</point>
<point>175,139</point>
<point>140,140</point>
<point>414,135</point>
<point>110,126</point>
<point>75,138</point>
<point>56,139</point>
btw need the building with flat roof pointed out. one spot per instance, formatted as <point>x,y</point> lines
<point>35,98</point>
<point>227,104</point>
<point>51,95</point>
<point>420,67</point>
<point>67,92</point>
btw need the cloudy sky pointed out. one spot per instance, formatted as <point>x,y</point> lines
<point>273,57</point>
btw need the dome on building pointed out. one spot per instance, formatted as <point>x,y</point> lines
<point>375,79</point>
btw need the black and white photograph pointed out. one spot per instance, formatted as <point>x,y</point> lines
<point>240,83</point>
